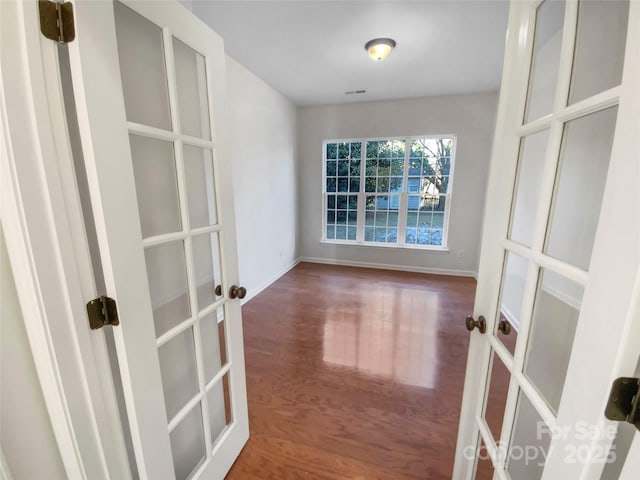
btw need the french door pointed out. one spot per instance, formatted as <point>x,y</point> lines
<point>561,247</point>
<point>149,86</point>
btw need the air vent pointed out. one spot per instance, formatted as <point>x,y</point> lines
<point>354,92</point>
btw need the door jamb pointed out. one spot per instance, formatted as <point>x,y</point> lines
<point>42,222</point>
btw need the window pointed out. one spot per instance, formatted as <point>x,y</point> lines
<point>393,191</point>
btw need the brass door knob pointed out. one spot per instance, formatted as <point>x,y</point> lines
<point>237,292</point>
<point>480,324</point>
<point>218,290</point>
<point>504,327</point>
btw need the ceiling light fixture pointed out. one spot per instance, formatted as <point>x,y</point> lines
<point>380,48</point>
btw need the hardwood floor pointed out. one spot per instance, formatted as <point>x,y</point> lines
<point>354,374</point>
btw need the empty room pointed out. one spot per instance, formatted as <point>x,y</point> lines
<point>320,239</point>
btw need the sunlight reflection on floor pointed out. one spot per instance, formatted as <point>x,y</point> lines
<point>392,337</point>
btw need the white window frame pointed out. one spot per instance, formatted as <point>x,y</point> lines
<point>404,195</point>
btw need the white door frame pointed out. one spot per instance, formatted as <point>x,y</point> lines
<point>42,222</point>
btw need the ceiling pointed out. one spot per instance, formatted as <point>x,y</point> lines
<point>313,51</point>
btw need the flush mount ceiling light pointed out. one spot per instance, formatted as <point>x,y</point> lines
<point>380,48</point>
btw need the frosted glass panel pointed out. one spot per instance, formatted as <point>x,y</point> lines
<point>214,349</point>
<point>529,443</point>
<point>166,272</point>
<point>527,191</point>
<point>156,185</point>
<point>191,81</point>
<point>555,317</point>
<point>201,193</point>
<point>142,69</point>
<point>179,371</point>
<point>187,444</point>
<point>484,466</point>
<point>206,259</point>
<point>511,293</point>
<point>584,162</point>
<point>219,401</point>
<point>600,45</point>
<point>496,400</point>
<point>546,59</point>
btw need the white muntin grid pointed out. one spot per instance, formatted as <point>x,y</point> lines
<point>402,196</point>
<point>185,237</point>
<point>537,259</point>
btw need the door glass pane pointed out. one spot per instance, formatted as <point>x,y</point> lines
<point>214,349</point>
<point>219,398</point>
<point>191,84</point>
<point>142,69</point>
<point>166,272</point>
<point>206,261</point>
<point>555,316</point>
<point>530,441</point>
<point>545,60</point>
<point>201,192</point>
<point>496,400</point>
<point>600,44</point>
<point>584,161</point>
<point>187,444</point>
<point>484,465</point>
<point>511,293</point>
<point>179,371</point>
<point>154,170</point>
<point>527,191</point>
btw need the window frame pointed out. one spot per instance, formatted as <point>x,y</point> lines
<point>404,195</point>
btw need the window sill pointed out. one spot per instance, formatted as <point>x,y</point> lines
<point>351,243</point>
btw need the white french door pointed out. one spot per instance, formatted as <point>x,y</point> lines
<point>561,247</point>
<point>149,86</point>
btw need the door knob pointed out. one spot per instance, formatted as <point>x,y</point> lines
<point>480,324</point>
<point>218,290</point>
<point>504,327</point>
<point>237,292</point>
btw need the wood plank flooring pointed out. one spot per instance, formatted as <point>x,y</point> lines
<point>354,374</point>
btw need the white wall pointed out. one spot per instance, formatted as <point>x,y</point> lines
<point>26,435</point>
<point>471,117</point>
<point>263,154</point>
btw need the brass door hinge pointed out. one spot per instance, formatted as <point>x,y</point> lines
<point>102,311</point>
<point>56,21</point>
<point>624,401</point>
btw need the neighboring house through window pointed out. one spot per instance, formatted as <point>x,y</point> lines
<point>392,191</point>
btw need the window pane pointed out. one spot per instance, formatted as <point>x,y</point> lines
<point>555,316</point>
<point>179,371</point>
<point>600,45</point>
<point>154,171</point>
<point>191,87</point>
<point>531,436</point>
<point>142,68</point>
<point>545,60</point>
<point>187,444</point>
<point>332,150</point>
<point>527,190</point>
<point>167,276</point>
<point>511,295</point>
<point>425,220</point>
<point>381,219</point>
<point>219,400</point>
<point>584,162</point>
<point>201,193</point>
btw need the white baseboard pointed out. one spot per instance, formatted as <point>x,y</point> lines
<point>272,279</point>
<point>386,266</point>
